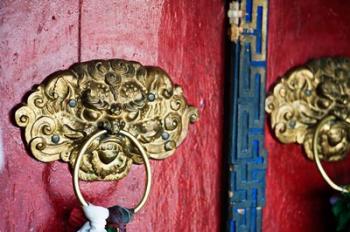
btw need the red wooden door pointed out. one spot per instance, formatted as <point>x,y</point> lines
<point>297,198</point>
<point>183,37</point>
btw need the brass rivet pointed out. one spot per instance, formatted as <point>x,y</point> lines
<point>308,92</point>
<point>151,97</point>
<point>72,103</point>
<point>55,138</point>
<point>165,135</point>
<point>292,123</point>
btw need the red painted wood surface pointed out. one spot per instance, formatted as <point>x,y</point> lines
<point>183,37</point>
<point>297,197</point>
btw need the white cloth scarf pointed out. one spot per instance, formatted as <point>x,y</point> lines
<point>96,216</point>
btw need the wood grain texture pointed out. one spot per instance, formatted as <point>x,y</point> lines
<point>183,37</point>
<point>297,198</point>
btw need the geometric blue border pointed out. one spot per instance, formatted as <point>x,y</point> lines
<point>246,152</point>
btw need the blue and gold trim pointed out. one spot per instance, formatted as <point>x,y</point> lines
<point>247,155</point>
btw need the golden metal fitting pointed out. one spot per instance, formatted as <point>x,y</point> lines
<point>85,147</point>
<point>305,96</point>
<point>317,158</point>
<point>311,106</point>
<point>71,104</point>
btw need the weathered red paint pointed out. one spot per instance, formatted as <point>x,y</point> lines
<point>297,197</point>
<point>183,37</point>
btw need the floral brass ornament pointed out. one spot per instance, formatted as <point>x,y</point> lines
<point>72,104</point>
<point>305,96</point>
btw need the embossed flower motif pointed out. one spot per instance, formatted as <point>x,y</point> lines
<point>101,69</point>
<point>131,92</point>
<point>115,109</point>
<point>96,98</point>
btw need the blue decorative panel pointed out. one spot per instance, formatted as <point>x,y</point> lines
<point>247,156</point>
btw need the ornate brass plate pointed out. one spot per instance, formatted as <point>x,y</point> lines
<point>72,104</point>
<point>305,96</point>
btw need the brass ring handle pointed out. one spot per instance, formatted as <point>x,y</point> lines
<point>143,154</point>
<point>317,158</point>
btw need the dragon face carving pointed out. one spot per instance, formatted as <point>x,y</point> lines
<point>305,96</point>
<point>62,112</point>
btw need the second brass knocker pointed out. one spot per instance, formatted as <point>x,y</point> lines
<point>310,106</point>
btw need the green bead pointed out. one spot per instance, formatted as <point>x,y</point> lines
<point>341,212</point>
<point>110,229</point>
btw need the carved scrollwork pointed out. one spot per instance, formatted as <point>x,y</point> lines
<point>62,112</point>
<point>303,97</point>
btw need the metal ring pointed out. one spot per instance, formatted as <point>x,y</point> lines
<point>143,154</point>
<point>317,158</point>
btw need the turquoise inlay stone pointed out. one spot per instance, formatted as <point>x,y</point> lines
<point>72,103</point>
<point>151,97</point>
<point>55,138</point>
<point>165,135</point>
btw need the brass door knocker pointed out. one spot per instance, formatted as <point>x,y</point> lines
<point>102,116</point>
<point>301,101</point>
<point>311,106</point>
<point>321,125</point>
<point>144,157</point>
<point>116,216</point>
